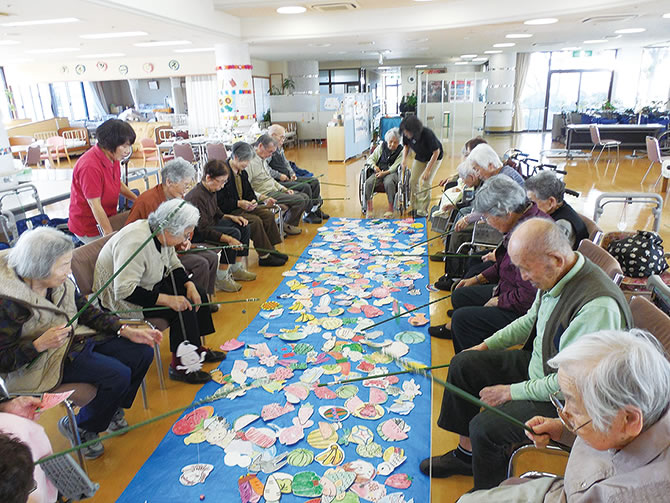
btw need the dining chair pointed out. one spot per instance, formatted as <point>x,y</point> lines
<point>216,151</point>
<point>604,144</point>
<point>150,152</point>
<point>57,148</point>
<point>654,155</point>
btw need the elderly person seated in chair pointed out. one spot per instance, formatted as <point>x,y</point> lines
<point>615,389</point>
<point>272,192</point>
<point>498,295</point>
<point>575,297</point>
<point>281,170</point>
<point>547,191</point>
<point>383,165</point>
<point>39,351</point>
<point>156,278</point>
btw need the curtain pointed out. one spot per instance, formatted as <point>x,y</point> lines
<point>134,85</point>
<point>520,75</point>
<point>95,100</point>
<point>202,104</point>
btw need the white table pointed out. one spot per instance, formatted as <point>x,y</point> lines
<point>52,186</point>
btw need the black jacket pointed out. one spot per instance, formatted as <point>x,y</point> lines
<point>227,197</point>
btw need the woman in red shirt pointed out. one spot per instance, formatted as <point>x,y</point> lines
<point>96,181</point>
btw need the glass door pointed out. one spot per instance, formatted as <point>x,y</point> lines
<point>594,89</point>
<point>562,94</point>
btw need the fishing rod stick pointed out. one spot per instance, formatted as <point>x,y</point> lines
<point>320,385</point>
<point>405,312</point>
<point>123,266</point>
<point>444,234</point>
<point>159,308</point>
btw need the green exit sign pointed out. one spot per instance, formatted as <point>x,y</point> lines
<point>580,54</point>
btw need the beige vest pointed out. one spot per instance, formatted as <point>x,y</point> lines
<point>46,371</point>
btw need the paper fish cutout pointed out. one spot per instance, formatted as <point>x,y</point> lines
<point>195,474</point>
<point>418,320</point>
<point>274,410</point>
<point>393,458</point>
<point>272,315</point>
<point>371,311</point>
<point>231,345</point>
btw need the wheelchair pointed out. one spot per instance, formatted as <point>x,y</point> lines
<point>402,196</point>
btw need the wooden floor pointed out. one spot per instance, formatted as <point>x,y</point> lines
<point>125,455</point>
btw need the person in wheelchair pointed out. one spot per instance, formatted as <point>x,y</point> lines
<point>547,191</point>
<point>381,170</point>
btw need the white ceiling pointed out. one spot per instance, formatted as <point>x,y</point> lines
<point>405,30</point>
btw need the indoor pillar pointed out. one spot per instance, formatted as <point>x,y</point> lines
<point>235,89</point>
<point>305,74</point>
<point>500,93</point>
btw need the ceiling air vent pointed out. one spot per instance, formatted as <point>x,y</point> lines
<point>334,6</point>
<point>613,18</point>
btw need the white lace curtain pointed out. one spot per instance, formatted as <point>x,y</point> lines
<point>201,99</point>
<point>520,74</point>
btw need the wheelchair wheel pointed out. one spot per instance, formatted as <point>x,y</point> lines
<point>402,198</point>
<point>361,190</point>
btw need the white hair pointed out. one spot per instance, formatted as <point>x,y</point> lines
<point>392,133</point>
<point>36,251</point>
<point>500,196</point>
<point>546,185</point>
<point>465,169</point>
<point>177,170</point>
<point>483,156</point>
<point>547,238</point>
<point>276,128</point>
<point>615,369</point>
<point>177,223</point>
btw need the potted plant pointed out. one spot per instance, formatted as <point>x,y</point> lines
<point>288,85</point>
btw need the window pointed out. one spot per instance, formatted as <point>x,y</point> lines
<point>534,93</point>
<point>347,80</point>
<point>654,77</point>
<point>392,93</point>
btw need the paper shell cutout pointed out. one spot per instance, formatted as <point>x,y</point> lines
<point>333,413</point>
<point>195,474</point>
<point>393,430</point>
<point>192,420</point>
<point>300,457</point>
<point>410,337</point>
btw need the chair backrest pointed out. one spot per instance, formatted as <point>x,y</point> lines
<point>184,151</point>
<point>148,144</point>
<point>55,141</point>
<point>595,134</point>
<point>119,220</point>
<point>166,134</point>
<point>595,232</point>
<point>21,140</point>
<point>76,134</point>
<point>660,293</point>
<point>45,135</point>
<point>83,263</point>
<point>653,149</point>
<point>648,317</point>
<point>216,151</point>
<point>601,258</point>
<point>33,156</point>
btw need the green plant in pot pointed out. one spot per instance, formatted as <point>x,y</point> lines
<point>288,85</point>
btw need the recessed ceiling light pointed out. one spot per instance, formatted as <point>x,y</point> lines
<point>505,44</point>
<point>114,34</point>
<point>291,9</point>
<point>542,20</point>
<point>627,31</point>
<point>196,49</point>
<point>595,41</point>
<point>480,59</point>
<point>53,50</point>
<point>462,63</point>
<point>518,35</point>
<point>492,52</point>
<point>102,55</point>
<point>570,48</point>
<point>320,45</point>
<point>468,56</point>
<point>420,66</point>
<point>162,43</point>
<point>9,42</point>
<point>61,20</point>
